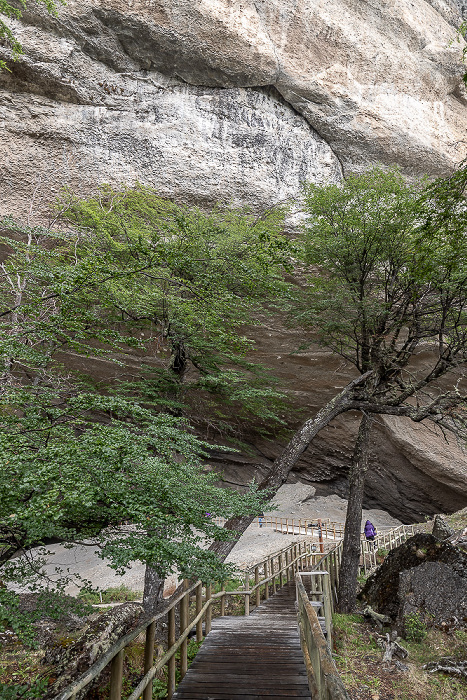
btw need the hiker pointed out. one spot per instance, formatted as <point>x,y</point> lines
<point>370,531</point>
<point>260,519</point>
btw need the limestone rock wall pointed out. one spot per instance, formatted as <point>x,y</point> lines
<point>242,100</point>
<point>166,92</point>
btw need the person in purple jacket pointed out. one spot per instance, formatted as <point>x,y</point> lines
<point>370,531</point>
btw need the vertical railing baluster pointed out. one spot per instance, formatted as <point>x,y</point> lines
<point>149,657</point>
<point>208,617</point>
<point>257,589</point>
<point>199,605</point>
<point>223,600</point>
<point>184,603</point>
<point>266,586</point>
<point>171,663</point>
<point>116,676</point>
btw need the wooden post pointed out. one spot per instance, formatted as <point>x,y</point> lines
<point>287,525</point>
<point>328,608</point>
<point>286,555</point>
<point>273,573</point>
<point>293,526</point>
<point>266,587</point>
<point>209,610</point>
<point>223,600</point>
<point>257,590</point>
<point>280,570</point>
<point>320,536</point>
<point>149,657</point>
<point>247,595</point>
<point>199,605</point>
<point>171,663</point>
<point>116,676</point>
<point>184,603</point>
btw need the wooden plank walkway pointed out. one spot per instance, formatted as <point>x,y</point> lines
<point>253,658</point>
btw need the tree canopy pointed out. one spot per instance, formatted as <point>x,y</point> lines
<point>119,466</point>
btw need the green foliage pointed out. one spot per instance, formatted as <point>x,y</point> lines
<point>415,627</point>
<point>24,692</point>
<point>120,467</point>
<point>49,603</point>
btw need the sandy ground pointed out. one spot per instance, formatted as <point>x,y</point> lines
<point>292,500</point>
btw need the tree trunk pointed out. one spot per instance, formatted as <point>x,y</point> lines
<point>153,590</point>
<point>347,594</point>
<point>290,456</point>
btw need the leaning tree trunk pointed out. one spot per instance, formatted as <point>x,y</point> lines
<point>347,594</point>
<point>290,456</point>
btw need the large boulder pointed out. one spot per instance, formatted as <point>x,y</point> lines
<point>422,576</point>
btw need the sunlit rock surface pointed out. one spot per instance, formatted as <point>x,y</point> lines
<point>241,101</point>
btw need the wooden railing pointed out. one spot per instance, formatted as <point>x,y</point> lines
<point>312,527</point>
<point>259,582</point>
<point>323,677</point>
<point>386,540</point>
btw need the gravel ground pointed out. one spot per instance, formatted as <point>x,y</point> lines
<point>292,500</point>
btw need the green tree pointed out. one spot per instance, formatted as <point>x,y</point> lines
<point>386,290</point>
<point>115,468</point>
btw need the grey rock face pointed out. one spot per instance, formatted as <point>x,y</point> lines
<point>422,574</point>
<point>123,91</point>
<point>441,529</point>
<point>432,589</point>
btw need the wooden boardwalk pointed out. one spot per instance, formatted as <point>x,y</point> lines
<point>252,657</point>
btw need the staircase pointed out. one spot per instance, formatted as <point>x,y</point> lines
<point>252,657</point>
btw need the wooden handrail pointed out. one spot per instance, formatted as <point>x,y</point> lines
<point>323,676</point>
<point>286,564</point>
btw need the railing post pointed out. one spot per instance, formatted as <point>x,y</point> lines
<point>273,574</point>
<point>171,663</point>
<point>149,657</point>
<point>116,676</point>
<point>184,604</point>
<point>266,575</point>
<point>247,595</point>
<point>209,610</point>
<point>320,536</point>
<point>287,573</point>
<point>257,590</point>
<point>223,600</point>
<point>280,570</point>
<point>199,605</point>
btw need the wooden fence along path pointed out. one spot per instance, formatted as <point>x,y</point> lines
<point>298,567</point>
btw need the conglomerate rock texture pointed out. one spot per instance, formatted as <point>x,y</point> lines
<point>241,101</point>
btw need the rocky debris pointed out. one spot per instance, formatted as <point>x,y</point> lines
<point>71,658</point>
<point>447,664</point>
<point>441,529</point>
<point>422,576</point>
<point>389,643</point>
<point>379,620</point>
